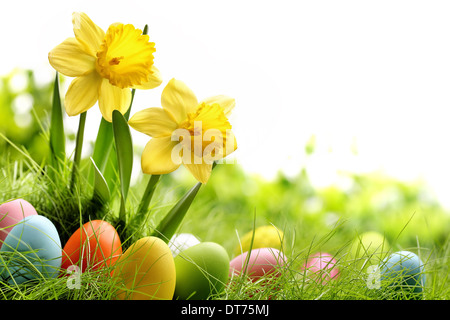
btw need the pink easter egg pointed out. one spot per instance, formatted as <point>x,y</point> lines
<point>262,261</point>
<point>323,265</point>
<point>11,213</point>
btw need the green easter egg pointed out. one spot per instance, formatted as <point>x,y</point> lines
<point>369,249</point>
<point>201,270</point>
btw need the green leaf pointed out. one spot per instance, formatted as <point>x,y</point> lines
<point>103,155</point>
<point>101,189</point>
<point>124,152</point>
<point>148,194</point>
<point>103,144</point>
<point>57,136</point>
<point>170,223</point>
<point>78,149</point>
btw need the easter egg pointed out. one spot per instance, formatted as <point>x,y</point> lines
<point>264,237</point>
<point>11,213</point>
<point>94,245</point>
<point>321,267</point>
<point>261,262</point>
<point>31,250</point>
<point>147,270</point>
<point>182,241</point>
<point>369,249</point>
<point>403,272</point>
<point>202,270</point>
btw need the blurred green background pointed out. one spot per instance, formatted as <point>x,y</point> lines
<point>24,110</point>
<point>234,201</point>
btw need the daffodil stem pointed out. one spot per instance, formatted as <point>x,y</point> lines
<point>148,194</point>
<point>127,114</point>
<point>78,148</point>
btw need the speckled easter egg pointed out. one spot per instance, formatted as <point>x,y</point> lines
<point>403,273</point>
<point>182,241</point>
<point>95,245</point>
<point>146,270</point>
<point>369,249</point>
<point>265,237</point>
<point>11,213</point>
<point>261,262</point>
<point>202,270</point>
<point>321,267</point>
<point>32,250</point>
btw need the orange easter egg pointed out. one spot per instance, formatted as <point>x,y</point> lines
<point>95,245</point>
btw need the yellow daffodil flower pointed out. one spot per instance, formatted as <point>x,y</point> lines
<point>185,131</point>
<point>106,66</point>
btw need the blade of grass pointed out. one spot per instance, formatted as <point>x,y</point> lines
<point>247,259</point>
<point>124,152</point>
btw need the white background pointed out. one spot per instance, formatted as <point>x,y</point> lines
<point>367,75</point>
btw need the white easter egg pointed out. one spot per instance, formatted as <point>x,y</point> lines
<point>181,242</point>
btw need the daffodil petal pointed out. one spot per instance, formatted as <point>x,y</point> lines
<point>87,32</point>
<point>201,171</point>
<point>154,80</point>
<point>70,59</point>
<point>227,103</point>
<point>82,93</point>
<point>113,98</point>
<point>157,156</point>
<point>178,100</point>
<point>155,122</point>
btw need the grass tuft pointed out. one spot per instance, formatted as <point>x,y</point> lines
<point>69,209</point>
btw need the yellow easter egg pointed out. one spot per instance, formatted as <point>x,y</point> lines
<point>265,237</point>
<point>147,271</point>
<point>369,249</point>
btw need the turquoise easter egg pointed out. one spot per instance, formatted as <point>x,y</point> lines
<point>32,250</point>
<point>403,273</point>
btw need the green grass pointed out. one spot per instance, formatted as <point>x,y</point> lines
<point>223,214</point>
<point>230,205</point>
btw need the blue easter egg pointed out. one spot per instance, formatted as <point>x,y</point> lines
<point>32,250</point>
<point>403,272</point>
